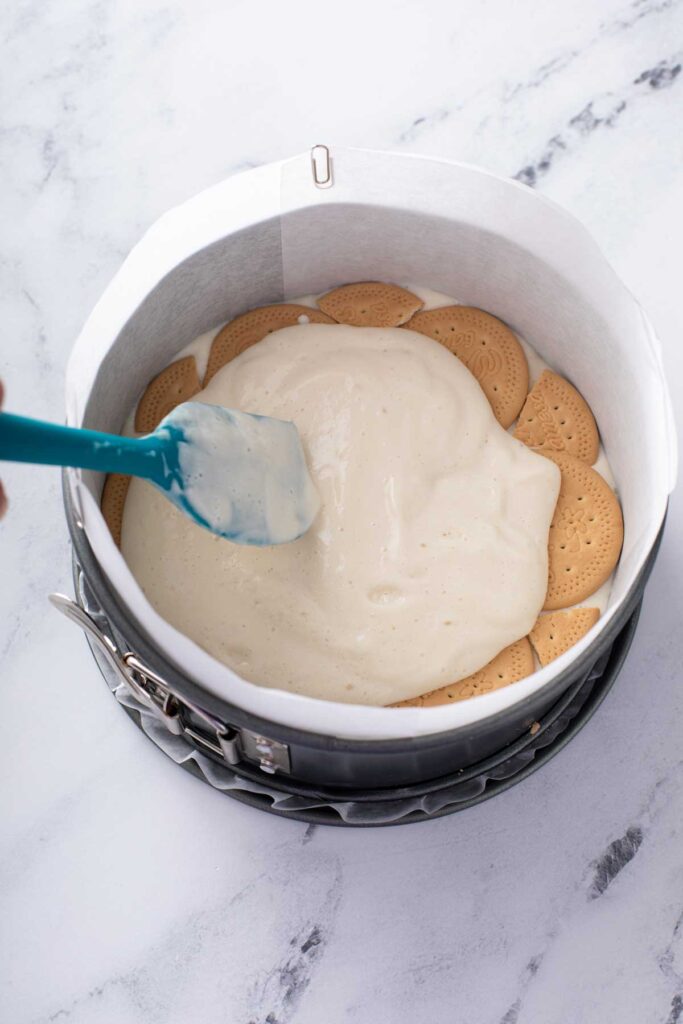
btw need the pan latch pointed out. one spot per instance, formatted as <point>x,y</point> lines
<point>270,755</point>
<point>180,716</point>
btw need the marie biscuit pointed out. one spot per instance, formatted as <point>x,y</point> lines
<point>556,417</point>
<point>245,330</point>
<point>112,503</point>
<point>370,304</point>
<point>512,664</point>
<point>176,384</point>
<point>489,350</point>
<point>586,533</point>
<point>555,632</point>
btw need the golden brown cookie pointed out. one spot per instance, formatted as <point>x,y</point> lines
<point>176,384</point>
<point>555,416</point>
<point>512,664</point>
<point>244,331</point>
<point>556,632</point>
<point>370,304</point>
<point>489,350</point>
<point>586,533</point>
<point>112,502</point>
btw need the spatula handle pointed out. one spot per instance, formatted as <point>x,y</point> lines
<point>28,440</point>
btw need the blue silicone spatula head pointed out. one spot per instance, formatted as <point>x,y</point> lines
<point>240,475</point>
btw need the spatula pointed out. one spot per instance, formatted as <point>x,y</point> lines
<point>240,475</point>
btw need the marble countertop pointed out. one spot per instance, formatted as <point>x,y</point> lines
<point>133,893</point>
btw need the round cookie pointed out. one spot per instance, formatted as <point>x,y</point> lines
<point>176,384</point>
<point>586,533</point>
<point>512,664</point>
<point>112,502</point>
<point>489,350</point>
<point>555,416</point>
<point>245,330</point>
<point>370,304</point>
<point>556,632</point>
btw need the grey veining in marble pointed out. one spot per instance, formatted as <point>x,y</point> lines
<point>131,892</point>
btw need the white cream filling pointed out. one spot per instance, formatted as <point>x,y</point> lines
<point>430,551</point>
<point>217,630</point>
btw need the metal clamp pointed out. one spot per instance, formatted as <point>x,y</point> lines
<point>177,713</point>
<point>321,166</point>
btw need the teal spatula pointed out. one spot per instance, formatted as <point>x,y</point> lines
<point>239,475</point>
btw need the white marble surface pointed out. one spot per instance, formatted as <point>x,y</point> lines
<point>130,891</point>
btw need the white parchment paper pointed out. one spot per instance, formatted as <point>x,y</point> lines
<point>271,234</point>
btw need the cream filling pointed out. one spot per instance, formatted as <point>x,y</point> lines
<point>201,346</point>
<point>429,553</point>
